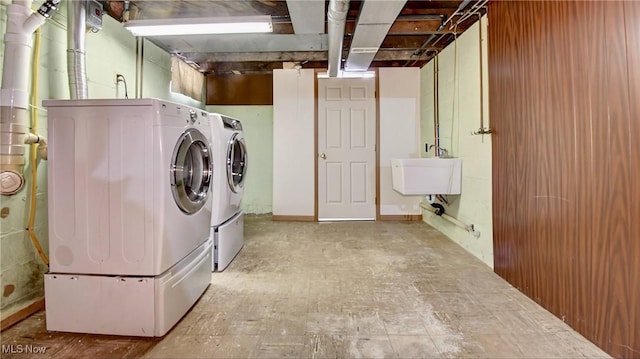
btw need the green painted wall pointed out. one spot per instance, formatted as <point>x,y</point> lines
<point>257,124</point>
<point>459,94</point>
<point>110,51</point>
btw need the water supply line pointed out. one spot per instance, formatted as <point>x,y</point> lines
<point>482,130</point>
<point>436,105</point>
<point>22,22</point>
<point>42,147</point>
<point>336,21</point>
<point>444,23</point>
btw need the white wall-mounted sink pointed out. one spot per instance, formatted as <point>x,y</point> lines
<point>423,176</point>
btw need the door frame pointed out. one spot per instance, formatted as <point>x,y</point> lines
<point>315,144</point>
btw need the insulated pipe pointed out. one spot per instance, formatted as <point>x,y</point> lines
<point>336,21</point>
<point>76,27</point>
<point>21,23</point>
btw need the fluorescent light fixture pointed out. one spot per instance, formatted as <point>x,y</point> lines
<point>200,26</point>
<point>349,74</point>
<point>364,50</point>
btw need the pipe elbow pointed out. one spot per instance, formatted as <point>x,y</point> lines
<point>41,141</point>
<point>33,22</point>
<point>31,138</point>
<point>44,151</point>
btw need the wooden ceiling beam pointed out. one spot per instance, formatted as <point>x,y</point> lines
<point>257,56</point>
<point>248,67</point>
<point>268,61</point>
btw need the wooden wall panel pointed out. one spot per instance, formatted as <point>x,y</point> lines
<point>243,89</point>
<point>533,87</point>
<point>586,62</point>
<point>554,194</point>
<point>611,251</point>
<point>502,67</point>
<point>563,105</point>
<point>632,33</point>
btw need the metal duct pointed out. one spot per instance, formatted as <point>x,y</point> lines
<point>373,24</point>
<point>307,17</point>
<point>76,27</point>
<point>336,20</point>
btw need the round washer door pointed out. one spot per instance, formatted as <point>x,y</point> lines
<point>236,162</point>
<point>191,171</point>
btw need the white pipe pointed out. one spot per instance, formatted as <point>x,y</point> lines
<point>467,227</point>
<point>21,23</point>
<point>76,68</point>
<point>336,21</point>
<point>32,138</point>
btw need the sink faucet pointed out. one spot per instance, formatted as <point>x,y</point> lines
<point>440,152</point>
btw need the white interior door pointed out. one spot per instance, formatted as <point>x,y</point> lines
<point>346,149</point>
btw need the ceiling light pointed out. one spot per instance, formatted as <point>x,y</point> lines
<point>200,26</point>
<point>349,74</point>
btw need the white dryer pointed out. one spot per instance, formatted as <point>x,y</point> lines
<point>227,220</point>
<point>129,214</point>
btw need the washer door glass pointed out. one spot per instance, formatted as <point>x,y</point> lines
<point>191,171</point>
<point>236,162</point>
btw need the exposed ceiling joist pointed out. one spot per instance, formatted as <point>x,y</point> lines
<point>404,44</point>
<point>244,43</point>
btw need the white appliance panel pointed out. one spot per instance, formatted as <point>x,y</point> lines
<point>229,239</point>
<point>111,208</point>
<point>135,306</point>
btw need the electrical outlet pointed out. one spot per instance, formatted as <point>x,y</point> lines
<point>115,78</point>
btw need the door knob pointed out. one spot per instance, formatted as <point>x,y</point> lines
<point>323,156</point>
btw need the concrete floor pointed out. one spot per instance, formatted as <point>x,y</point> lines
<point>342,290</point>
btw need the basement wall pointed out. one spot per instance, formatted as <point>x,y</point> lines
<point>110,51</point>
<point>460,109</point>
<point>257,128</point>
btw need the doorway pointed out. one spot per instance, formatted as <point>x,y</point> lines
<point>346,164</point>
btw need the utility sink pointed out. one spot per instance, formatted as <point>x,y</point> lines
<point>424,176</point>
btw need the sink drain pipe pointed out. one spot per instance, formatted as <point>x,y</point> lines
<point>435,210</point>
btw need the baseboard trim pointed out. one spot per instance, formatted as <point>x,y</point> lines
<point>22,314</point>
<point>401,217</point>
<point>293,218</point>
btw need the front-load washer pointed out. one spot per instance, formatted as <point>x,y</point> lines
<point>129,185</point>
<point>227,188</point>
<point>231,153</point>
<point>129,215</point>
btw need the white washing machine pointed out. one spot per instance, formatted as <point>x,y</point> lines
<point>129,214</point>
<point>227,219</point>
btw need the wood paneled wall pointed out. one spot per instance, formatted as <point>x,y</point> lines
<point>243,89</point>
<point>564,83</point>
